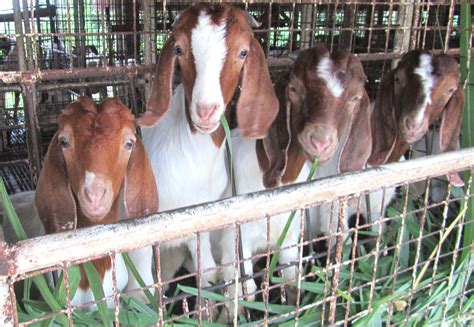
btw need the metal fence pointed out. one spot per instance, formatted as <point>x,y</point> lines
<point>417,270</point>
<point>51,51</point>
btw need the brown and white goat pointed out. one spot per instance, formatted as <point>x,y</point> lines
<point>411,97</point>
<point>323,95</point>
<point>214,47</point>
<point>93,156</point>
<point>422,88</point>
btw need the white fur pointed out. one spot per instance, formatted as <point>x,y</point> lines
<point>209,51</point>
<point>324,70</point>
<point>248,178</point>
<point>189,169</point>
<point>425,71</point>
<point>429,145</point>
<point>89,179</point>
<point>85,296</point>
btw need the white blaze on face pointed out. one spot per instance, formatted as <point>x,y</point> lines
<point>324,71</point>
<point>89,179</point>
<point>425,71</point>
<point>209,50</point>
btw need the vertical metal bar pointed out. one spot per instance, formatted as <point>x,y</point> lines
<point>299,268</point>
<point>159,283</point>
<point>425,30</point>
<point>333,28</point>
<point>292,27</point>
<point>149,44</point>
<point>338,261</point>
<point>266,278</point>
<point>353,258</point>
<point>454,262</point>
<point>115,291</point>
<point>27,29</point>
<point>449,27</point>
<point>33,130</point>
<point>376,254</point>
<point>401,43</point>
<point>372,14</point>
<point>418,244</point>
<point>135,32</point>
<point>198,279</point>
<point>415,28</point>
<point>269,27</point>
<point>328,263</point>
<point>19,35</point>
<point>237,268</point>
<point>68,293</point>
<point>7,312</point>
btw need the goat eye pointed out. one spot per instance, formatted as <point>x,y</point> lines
<point>64,142</point>
<point>178,50</point>
<point>129,144</point>
<point>451,90</point>
<point>243,54</point>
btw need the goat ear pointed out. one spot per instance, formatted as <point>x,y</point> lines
<point>450,129</point>
<point>384,122</point>
<point>358,144</point>
<point>161,92</point>
<point>277,142</point>
<point>53,198</point>
<point>141,195</point>
<point>257,106</point>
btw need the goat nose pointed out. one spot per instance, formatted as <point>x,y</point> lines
<point>95,192</point>
<point>205,111</point>
<point>320,143</point>
<point>411,124</point>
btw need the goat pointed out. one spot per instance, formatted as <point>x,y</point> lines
<point>26,212</point>
<point>322,93</point>
<point>422,88</point>
<point>212,44</point>
<point>91,158</point>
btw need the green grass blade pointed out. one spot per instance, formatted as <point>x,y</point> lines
<point>96,287</point>
<point>276,255</point>
<point>139,279</point>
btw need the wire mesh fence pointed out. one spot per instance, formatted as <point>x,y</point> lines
<point>51,51</point>
<point>404,262</point>
<point>413,265</point>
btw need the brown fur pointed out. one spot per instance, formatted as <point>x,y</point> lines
<point>306,105</point>
<point>257,105</point>
<point>96,134</point>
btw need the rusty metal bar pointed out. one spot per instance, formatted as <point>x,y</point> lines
<point>32,126</point>
<point>6,313</point>
<point>50,250</point>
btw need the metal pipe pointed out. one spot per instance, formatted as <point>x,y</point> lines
<point>51,250</point>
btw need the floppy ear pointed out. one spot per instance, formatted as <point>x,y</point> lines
<point>358,144</point>
<point>257,106</point>
<point>141,195</point>
<point>277,142</point>
<point>450,129</point>
<point>161,92</point>
<point>53,197</point>
<point>384,122</point>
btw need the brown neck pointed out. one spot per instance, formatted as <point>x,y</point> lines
<point>296,160</point>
